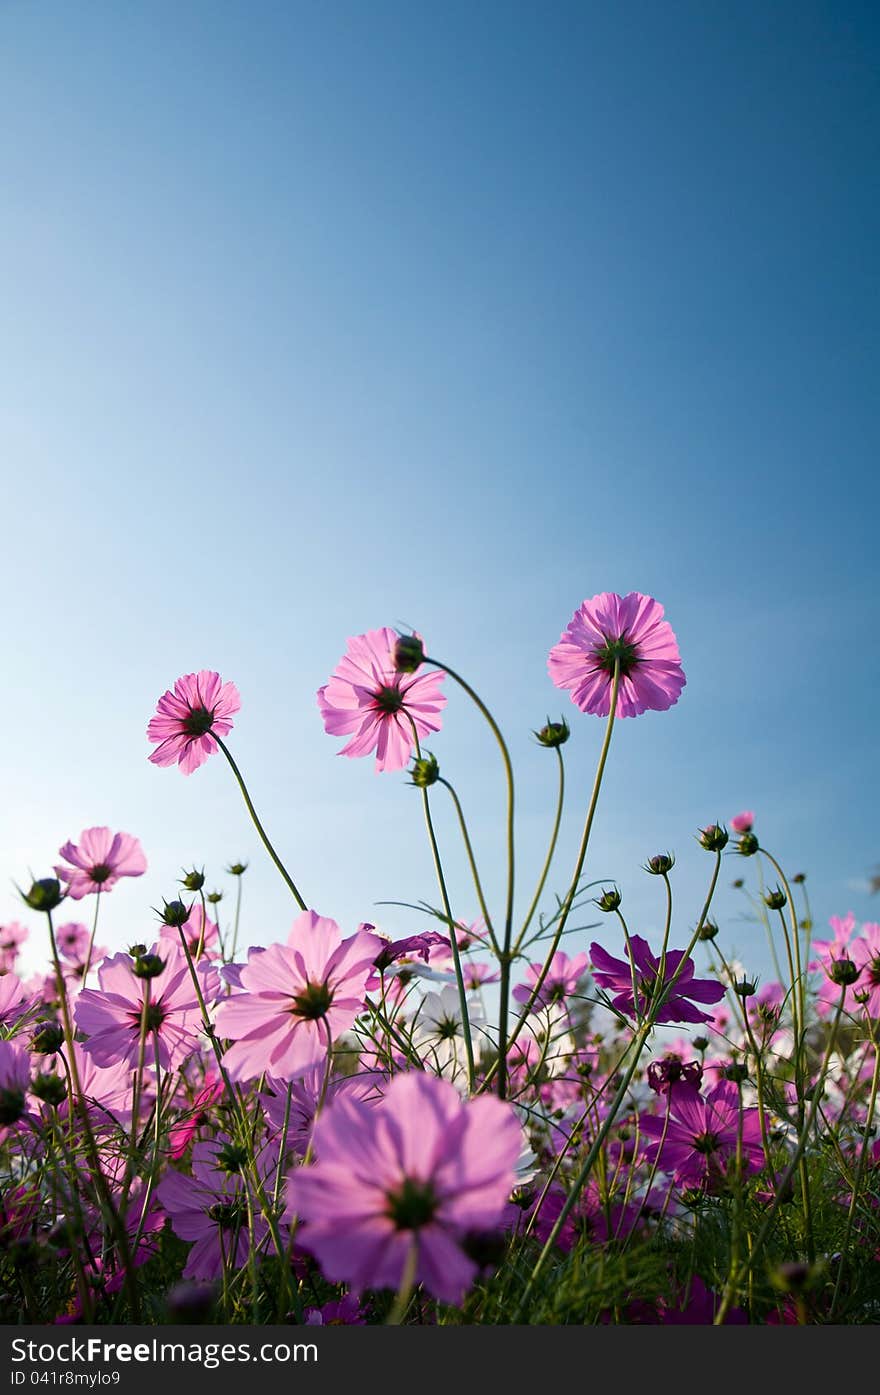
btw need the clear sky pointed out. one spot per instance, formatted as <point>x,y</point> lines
<point>319,317</point>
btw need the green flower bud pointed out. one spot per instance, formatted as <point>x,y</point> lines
<point>708,930</point>
<point>213,897</point>
<point>44,895</point>
<point>660,865</point>
<point>425,771</point>
<point>748,845</point>
<point>843,972</point>
<point>609,900</point>
<point>737,1071</point>
<point>147,966</point>
<point>47,1038</point>
<point>775,900</point>
<point>745,988</point>
<point>193,881</point>
<point>237,869</point>
<point>554,733</point>
<point>11,1105</point>
<point>174,913</point>
<point>51,1089</point>
<point>713,838</point>
<point>409,653</point>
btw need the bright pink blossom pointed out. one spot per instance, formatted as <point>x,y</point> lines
<point>697,1142</point>
<point>193,933</point>
<point>110,1016</point>
<point>617,976</point>
<point>626,629</point>
<point>421,1169</point>
<point>14,999</point>
<point>368,699</point>
<point>562,981</point>
<point>744,822</point>
<point>200,704</point>
<point>297,999</point>
<point>98,861</point>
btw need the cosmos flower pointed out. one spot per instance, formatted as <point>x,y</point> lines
<point>416,1172</point>
<point>744,822</point>
<point>12,937</point>
<point>368,699</point>
<point>562,981</point>
<point>210,1207</point>
<point>626,629</point>
<point>616,975</point>
<point>185,718</point>
<point>698,1141</point>
<point>110,1016</point>
<point>98,861</point>
<point>296,999</point>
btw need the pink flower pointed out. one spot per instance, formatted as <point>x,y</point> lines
<point>305,1096</point>
<point>744,822</point>
<point>99,860</point>
<point>181,1133</point>
<point>15,1076</point>
<point>421,1169</point>
<point>562,981</point>
<point>14,999</point>
<point>617,976</point>
<point>629,629</point>
<point>370,700</point>
<point>199,705</point>
<point>12,937</point>
<point>864,951</point>
<point>110,1017</point>
<point>297,999</point>
<point>700,1140</point>
<point>211,1207</point>
<point>72,940</point>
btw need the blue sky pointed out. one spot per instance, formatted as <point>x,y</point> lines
<point>322,317</point>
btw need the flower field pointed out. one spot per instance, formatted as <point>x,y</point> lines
<point>498,1119</point>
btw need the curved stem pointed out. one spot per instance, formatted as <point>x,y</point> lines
<point>258,826</point>
<point>92,935</point>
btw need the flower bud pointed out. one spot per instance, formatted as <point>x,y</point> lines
<point>609,900</point>
<point>736,1071</point>
<point>425,771</point>
<point>47,1038</point>
<point>174,913</point>
<point>748,845</point>
<point>51,1089</point>
<point>237,869</point>
<point>147,966</point>
<point>700,1043</point>
<point>232,1158</point>
<point>745,987</point>
<point>843,972</point>
<point>409,653</point>
<point>799,878</point>
<point>775,899</point>
<point>44,895</point>
<point>213,897</point>
<point>738,884</point>
<point>713,838</point>
<point>660,864</point>
<point>137,950</point>
<point>193,881</point>
<point>554,733</point>
<point>708,930</point>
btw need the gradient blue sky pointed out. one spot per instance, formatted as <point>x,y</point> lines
<point>322,317</point>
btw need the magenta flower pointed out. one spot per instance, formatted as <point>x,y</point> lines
<point>700,1140</point>
<point>198,929</point>
<point>563,980</point>
<point>99,860</point>
<point>629,629</point>
<point>297,999</point>
<point>110,1016</point>
<point>744,822</point>
<point>864,951</point>
<point>616,975</point>
<point>305,1096</point>
<point>368,699</point>
<point>211,1207</point>
<point>419,1170</point>
<point>200,704</point>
